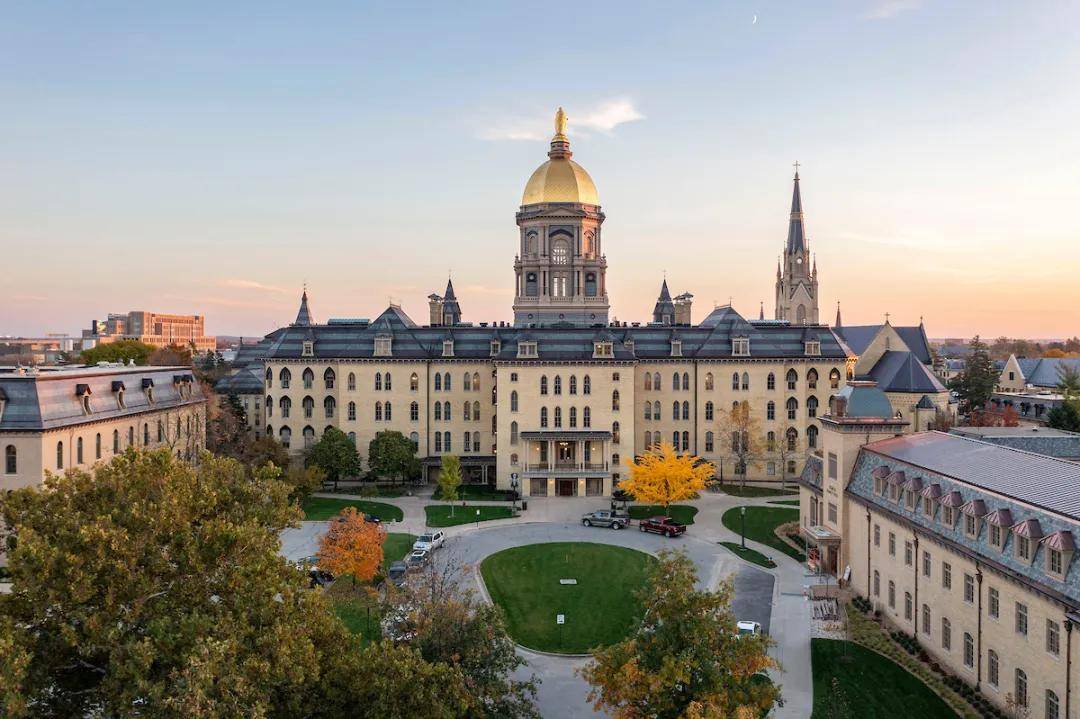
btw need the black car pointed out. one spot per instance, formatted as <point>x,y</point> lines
<point>397,573</point>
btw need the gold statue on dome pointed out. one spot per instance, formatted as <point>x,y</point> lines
<point>560,122</point>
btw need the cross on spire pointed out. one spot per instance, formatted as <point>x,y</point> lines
<point>796,165</point>
<point>886,317</point>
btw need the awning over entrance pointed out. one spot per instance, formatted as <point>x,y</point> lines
<point>562,435</point>
<point>821,535</point>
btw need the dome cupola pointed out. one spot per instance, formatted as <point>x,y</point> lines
<point>560,179</point>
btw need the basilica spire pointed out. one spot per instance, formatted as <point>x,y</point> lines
<point>796,238</point>
<point>664,311</point>
<point>839,324</point>
<point>796,279</point>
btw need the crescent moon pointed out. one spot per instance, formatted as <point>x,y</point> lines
<point>754,21</point>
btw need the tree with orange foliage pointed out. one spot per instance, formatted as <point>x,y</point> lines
<point>663,476</point>
<point>1010,417</point>
<point>685,659</point>
<point>352,546</point>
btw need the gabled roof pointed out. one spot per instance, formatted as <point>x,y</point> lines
<point>1043,372</point>
<point>899,371</point>
<point>859,337</point>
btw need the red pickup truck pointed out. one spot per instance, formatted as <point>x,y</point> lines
<point>662,525</point>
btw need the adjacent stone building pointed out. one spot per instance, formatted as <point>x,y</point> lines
<point>153,328</point>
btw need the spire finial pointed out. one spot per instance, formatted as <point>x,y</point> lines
<point>886,318</point>
<point>796,165</point>
<point>560,122</point>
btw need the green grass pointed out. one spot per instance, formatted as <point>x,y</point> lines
<point>600,609</point>
<point>872,686</point>
<point>750,555</point>
<point>354,614</point>
<point>748,491</point>
<point>438,515</point>
<point>477,493</point>
<point>681,513</point>
<point>760,523</point>
<point>323,508</point>
<point>396,546</point>
<point>786,502</point>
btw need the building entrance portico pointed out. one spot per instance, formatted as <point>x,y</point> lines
<point>566,487</point>
<point>567,463</point>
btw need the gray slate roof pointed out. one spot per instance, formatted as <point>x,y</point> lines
<point>858,338</point>
<point>1043,371</point>
<point>900,371</point>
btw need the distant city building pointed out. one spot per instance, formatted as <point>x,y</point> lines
<point>154,328</point>
<point>966,545</point>
<point>46,350</point>
<point>74,417</point>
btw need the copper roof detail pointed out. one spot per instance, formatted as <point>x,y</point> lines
<point>1029,528</point>
<point>952,499</point>
<point>1061,540</point>
<point>896,477</point>
<point>932,492</point>
<point>1001,517</point>
<point>976,508</point>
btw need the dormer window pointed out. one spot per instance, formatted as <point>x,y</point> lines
<point>3,402</point>
<point>82,391</point>
<point>676,348</point>
<point>384,346</point>
<point>496,347</point>
<point>118,390</point>
<point>740,346</point>
<point>309,348</point>
<point>602,349</point>
<point>629,344</point>
<point>1060,548</point>
<point>148,388</point>
<point>526,349</point>
<point>813,348</point>
<point>448,348</point>
<point>1027,534</point>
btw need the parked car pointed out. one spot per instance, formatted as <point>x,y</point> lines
<point>662,525</point>
<point>430,541</point>
<point>397,572</point>
<point>316,577</point>
<point>606,518</point>
<point>417,559</point>
<point>367,518</point>
<point>745,628</point>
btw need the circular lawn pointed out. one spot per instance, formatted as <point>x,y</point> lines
<point>599,609</point>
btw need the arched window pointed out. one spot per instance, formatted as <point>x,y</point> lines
<point>438,382</point>
<point>686,380</point>
<point>792,378</point>
<point>351,383</point>
<point>269,378</point>
<point>586,417</point>
<point>709,442</point>
<point>438,441</point>
<point>352,438</point>
<point>834,378</point>
<point>438,410</point>
<point>558,384</point>
<point>446,385</point>
<point>309,436</point>
<point>309,406</point>
<point>792,407</point>
<point>614,432</point>
<point>467,412</point>
<point>131,436</point>
<point>1053,705</point>
<point>466,382</point>
<point>446,410</point>
<point>675,440</point>
<point>414,412</point>
<point>926,618</point>
<point>1020,696</point>
<point>892,593</point>
<point>685,410</point>
<point>685,441</point>
<point>615,400</point>
<point>648,410</point>
<point>160,431</point>
<point>446,441</point>
<point>79,451</point>
<point>328,378</point>
<point>811,406</point>
<point>476,411</point>
<point>286,436</point>
<point>543,384</point>
<point>560,252</point>
<point>514,401</point>
<point>648,380</point>
<point>558,417</point>
<point>811,378</point>
<point>675,384</point>
<point>352,411</point>
<point>467,441</point>
<point>415,439</point>
<point>378,412</point>
<point>146,434</point>
<point>656,410</point>
<point>675,409</point>
<point>792,439</point>
<point>709,411</point>
<point>573,417</point>
<point>586,385</point>
<point>386,381</point>
<point>735,381</point>
<point>656,381</point>
<point>309,378</point>
<point>573,384</point>
<point>770,381</point>
<point>116,441</point>
<point>286,406</point>
<point>414,382</point>
<point>513,433</point>
<point>770,410</point>
<point>269,406</point>
<point>285,376</point>
<point>648,440</point>
<point>378,381</point>
<point>59,455</point>
<point>708,381</point>
<point>770,441</point>
<point>969,650</point>
<point>329,405</point>
<point>877,583</point>
<point>745,381</point>
<point>811,436</point>
<point>476,381</point>
<point>543,417</point>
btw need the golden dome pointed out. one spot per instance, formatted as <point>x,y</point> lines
<point>560,179</point>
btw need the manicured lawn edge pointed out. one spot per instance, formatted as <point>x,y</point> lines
<point>322,508</point>
<point>438,515</point>
<point>750,555</point>
<point>681,513</point>
<point>785,502</point>
<point>478,493</point>
<point>760,525</point>
<point>750,491</point>
<point>397,546</point>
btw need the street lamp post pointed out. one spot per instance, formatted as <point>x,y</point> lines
<point>742,527</point>
<point>514,487</point>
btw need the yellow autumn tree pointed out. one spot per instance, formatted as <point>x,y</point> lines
<point>662,476</point>
<point>352,546</point>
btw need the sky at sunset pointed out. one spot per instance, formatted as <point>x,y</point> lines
<point>195,158</point>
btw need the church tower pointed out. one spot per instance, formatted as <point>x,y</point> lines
<point>796,279</point>
<point>560,267</point>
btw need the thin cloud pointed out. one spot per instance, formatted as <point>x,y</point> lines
<point>253,285</point>
<point>888,9</point>
<point>603,117</point>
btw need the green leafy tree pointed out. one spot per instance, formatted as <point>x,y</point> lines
<point>1067,415</point>
<point>303,481</point>
<point>226,425</point>
<point>119,351</point>
<point>684,659</point>
<point>335,454</point>
<point>1068,381</point>
<point>263,450</point>
<point>975,383</point>
<point>392,454</point>
<point>450,479</point>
